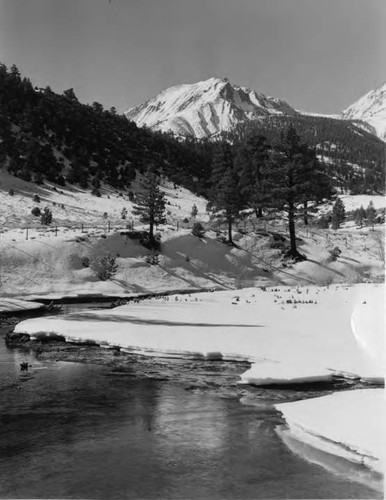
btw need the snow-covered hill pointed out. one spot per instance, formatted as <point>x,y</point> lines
<point>72,206</point>
<point>371,109</point>
<point>205,108</point>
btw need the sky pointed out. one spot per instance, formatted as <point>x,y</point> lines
<point>318,55</point>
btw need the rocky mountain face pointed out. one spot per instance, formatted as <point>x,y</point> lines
<point>206,108</point>
<point>213,106</point>
<point>370,109</point>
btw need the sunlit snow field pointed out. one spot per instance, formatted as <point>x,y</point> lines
<point>302,334</point>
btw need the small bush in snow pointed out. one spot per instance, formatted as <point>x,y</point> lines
<point>194,211</point>
<point>152,258</point>
<point>36,199</point>
<point>198,230</point>
<point>96,192</point>
<point>46,217</point>
<point>11,192</point>
<point>335,253</point>
<point>105,267</point>
<point>36,211</point>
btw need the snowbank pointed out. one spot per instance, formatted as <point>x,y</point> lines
<point>348,424</point>
<point>15,305</point>
<point>267,374</point>
<point>290,333</point>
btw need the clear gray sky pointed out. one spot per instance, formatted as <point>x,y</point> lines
<point>319,55</point>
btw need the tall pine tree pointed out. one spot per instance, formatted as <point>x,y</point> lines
<point>251,163</point>
<point>150,203</point>
<point>338,214</point>
<point>229,198</point>
<point>294,176</point>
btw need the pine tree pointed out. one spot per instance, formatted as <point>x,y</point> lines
<point>194,211</point>
<point>338,214</point>
<point>222,161</point>
<point>251,163</point>
<point>228,198</point>
<point>371,213</point>
<point>150,203</point>
<point>46,217</point>
<point>293,176</point>
<point>360,215</point>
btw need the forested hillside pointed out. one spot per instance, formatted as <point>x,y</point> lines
<point>50,136</point>
<point>354,158</point>
<point>45,135</point>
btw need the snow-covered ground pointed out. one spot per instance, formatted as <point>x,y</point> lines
<point>352,202</point>
<point>349,424</point>
<point>50,263</point>
<point>293,333</point>
<point>55,265</point>
<point>72,206</point>
<point>15,305</point>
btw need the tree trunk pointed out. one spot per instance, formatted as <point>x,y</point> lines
<point>291,227</point>
<point>230,229</point>
<point>151,230</point>
<point>258,212</point>
<point>305,214</point>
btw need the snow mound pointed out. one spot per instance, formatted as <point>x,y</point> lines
<point>348,424</point>
<point>16,305</point>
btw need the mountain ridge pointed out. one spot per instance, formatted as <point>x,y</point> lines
<point>214,106</point>
<point>205,108</point>
<point>371,109</point>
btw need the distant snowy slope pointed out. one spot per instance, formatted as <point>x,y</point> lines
<point>371,109</point>
<point>205,108</point>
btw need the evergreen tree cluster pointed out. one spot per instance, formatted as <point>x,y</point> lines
<point>353,157</point>
<point>44,135</point>
<point>287,177</point>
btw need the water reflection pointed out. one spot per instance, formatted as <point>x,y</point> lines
<point>72,431</point>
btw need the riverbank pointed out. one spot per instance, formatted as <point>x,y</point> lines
<point>62,419</point>
<point>194,374</point>
<point>210,376</point>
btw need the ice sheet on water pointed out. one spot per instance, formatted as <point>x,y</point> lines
<point>349,424</point>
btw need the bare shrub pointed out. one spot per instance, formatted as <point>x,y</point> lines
<point>105,267</point>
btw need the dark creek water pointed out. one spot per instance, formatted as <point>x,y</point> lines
<point>71,430</point>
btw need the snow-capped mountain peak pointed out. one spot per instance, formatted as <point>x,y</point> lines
<point>370,108</point>
<point>205,108</point>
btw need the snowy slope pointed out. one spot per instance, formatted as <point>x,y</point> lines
<point>371,109</point>
<point>205,108</point>
<point>72,206</point>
